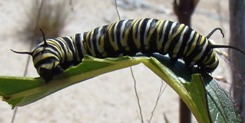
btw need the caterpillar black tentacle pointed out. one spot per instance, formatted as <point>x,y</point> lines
<point>29,53</point>
<point>212,32</point>
<point>127,37</point>
<point>227,46</point>
<point>44,38</point>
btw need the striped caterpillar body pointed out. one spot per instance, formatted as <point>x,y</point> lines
<point>126,37</point>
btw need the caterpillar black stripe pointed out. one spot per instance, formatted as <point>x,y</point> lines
<point>127,37</point>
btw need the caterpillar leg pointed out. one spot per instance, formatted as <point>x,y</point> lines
<point>173,60</point>
<point>192,68</point>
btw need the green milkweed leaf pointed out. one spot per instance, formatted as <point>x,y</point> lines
<point>207,101</point>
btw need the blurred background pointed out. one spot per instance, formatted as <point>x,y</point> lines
<point>109,97</point>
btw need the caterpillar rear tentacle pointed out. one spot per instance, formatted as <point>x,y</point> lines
<point>127,37</point>
<point>222,46</point>
<point>227,46</point>
<point>215,29</point>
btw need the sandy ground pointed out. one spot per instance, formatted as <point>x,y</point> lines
<point>109,97</point>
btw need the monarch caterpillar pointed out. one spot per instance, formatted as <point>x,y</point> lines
<point>127,37</point>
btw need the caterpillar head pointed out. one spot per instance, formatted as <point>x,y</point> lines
<point>46,61</point>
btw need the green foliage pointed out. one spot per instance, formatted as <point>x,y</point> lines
<point>207,101</point>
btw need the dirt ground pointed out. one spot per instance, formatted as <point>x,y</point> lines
<point>109,97</point>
